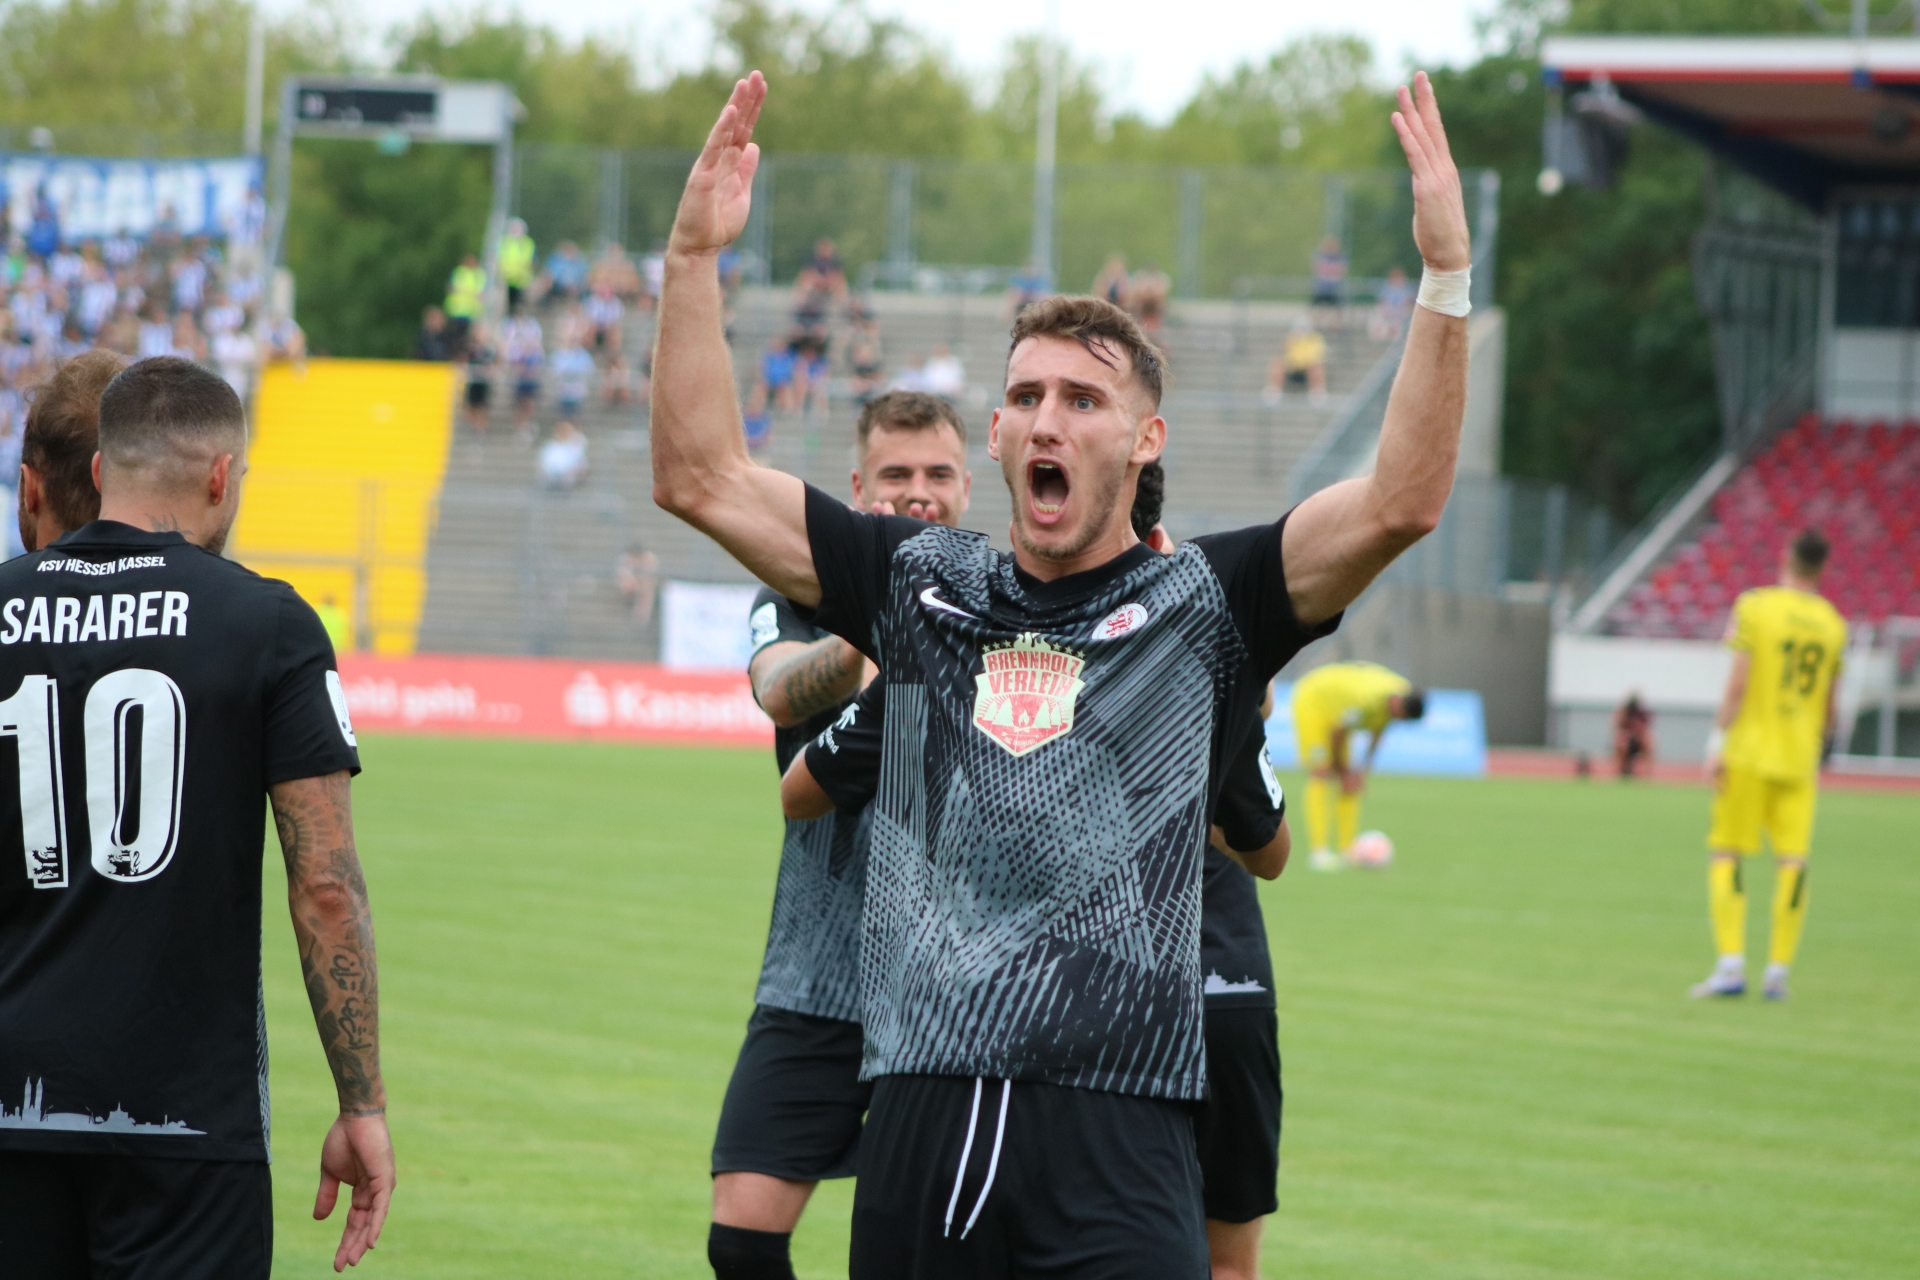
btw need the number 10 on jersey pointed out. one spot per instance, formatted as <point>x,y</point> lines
<point>134,778</point>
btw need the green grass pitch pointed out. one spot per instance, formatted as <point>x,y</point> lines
<point>1491,1070</point>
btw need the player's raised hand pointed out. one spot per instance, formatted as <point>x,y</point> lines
<point>358,1152</point>
<point>713,208</point>
<point>1439,210</point>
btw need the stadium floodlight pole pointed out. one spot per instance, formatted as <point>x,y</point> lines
<point>1043,148</point>
<point>256,81</point>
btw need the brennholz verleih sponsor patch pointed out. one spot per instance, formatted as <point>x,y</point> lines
<point>1026,693</point>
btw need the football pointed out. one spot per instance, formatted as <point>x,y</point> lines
<point>1371,849</point>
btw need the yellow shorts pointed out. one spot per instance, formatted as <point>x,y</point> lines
<point>1315,737</point>
<point>1748,803</point>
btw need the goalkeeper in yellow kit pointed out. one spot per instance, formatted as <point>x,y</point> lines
<point>1330,705</point>
<point>1764,757</point>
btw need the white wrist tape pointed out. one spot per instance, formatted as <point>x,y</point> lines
<point>1448,292</point>
<point>1716,744</point>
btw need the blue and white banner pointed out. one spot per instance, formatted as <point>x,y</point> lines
<point>94,198</point>
<point>1451,739</point>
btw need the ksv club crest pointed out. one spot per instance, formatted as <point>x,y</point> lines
<point>1026,693</point>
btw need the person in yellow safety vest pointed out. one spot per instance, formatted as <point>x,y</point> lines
<point>466,298</point>
<point>515,262</point>
<point>338,627</point>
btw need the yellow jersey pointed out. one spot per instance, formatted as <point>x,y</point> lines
<point>1794,640</point>
<point>1347,695</point>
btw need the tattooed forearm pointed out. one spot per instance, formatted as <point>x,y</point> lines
<point>333,927</point>
<point>794,681</point>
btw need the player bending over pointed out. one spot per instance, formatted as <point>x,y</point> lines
<point>793,1107</point>
<point>1237,1131</point>
<point>1059,722</point>
<point>155,692</point>
<point>1330,705</point>
<point>1764,758</point>
<point>57,493</point>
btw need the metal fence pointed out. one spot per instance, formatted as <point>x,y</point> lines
<point>1217,232</point>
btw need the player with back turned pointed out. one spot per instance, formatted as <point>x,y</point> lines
<point>1059,721</point>
<point>794,1104</point>
<point>1764,758</point>
<point>154,693</point>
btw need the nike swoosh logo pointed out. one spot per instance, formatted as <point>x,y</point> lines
<point>933,601</point>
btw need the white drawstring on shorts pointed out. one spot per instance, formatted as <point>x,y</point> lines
<point>966,1151</point>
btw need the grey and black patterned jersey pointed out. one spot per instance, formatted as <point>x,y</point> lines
<point>1234,956</point>
<point>1051,753</point>
<point>812,961</point>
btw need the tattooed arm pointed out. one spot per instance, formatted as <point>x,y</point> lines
<point>333,927</point>
<point>794,681</point>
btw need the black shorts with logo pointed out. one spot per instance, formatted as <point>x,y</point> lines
<point>107,1217</point>
<point>971,1179</point>
<point>794,1105</point>
<point>1237,1131</point>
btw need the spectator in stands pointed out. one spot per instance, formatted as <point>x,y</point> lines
<point>563,458</point>
<point>614,268</point>
<point>480,358</point>
<point>1395,307</point>
<point>1300,365</point>
<point>1026,287</point>
<point>1147,299</point>
<point>566,270</point>
<point>617,381</point>
<point>156,332</point>
<point>188,343</point>
<point>572,367</point>
<point>431,343</point>
<point>1329,274</point>
<point>637,575</point>
<point>812,372</point>
<point>237,357</point>
<point>821,283</point>
<point>1632,736</point>
<point>43,228</point>
<point>189,273</point>
<point>1113,283</point>
<point>912,375</point>
<point>943,374</point>
<point>733,268</point>
<point>466,298</point>
<point>57,492</point>
<point>865,359</point>
<point>287,341</point>
<point>524,348</point>
<point>223,314</point>
<point>775,386</point>
<point>604,312</point>
<point>514,260</point>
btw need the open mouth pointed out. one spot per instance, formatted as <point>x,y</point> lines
<point>1047,484</point>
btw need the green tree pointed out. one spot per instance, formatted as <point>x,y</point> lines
<point>1316,103</point>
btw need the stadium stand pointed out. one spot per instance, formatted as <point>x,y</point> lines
<point>518,568</point>
<point>1857,482</point>
<point>345,471</point>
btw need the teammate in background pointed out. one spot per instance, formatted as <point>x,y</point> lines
<point>130,1011</point>
<point>1059,721</point>
<point>794,1106</point>
<point>1764,758</point>
<point>57,493</point>
<point>1330,705</point>
<point>1237,1131</point>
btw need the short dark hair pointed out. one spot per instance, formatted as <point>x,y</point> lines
<point>1810,551</point>
<point>908,411</point>
<point>1095,323</point>
<point>160,408</point>
<point>1149,496</point>
<point>63,434</point>
<point>1413,704</point>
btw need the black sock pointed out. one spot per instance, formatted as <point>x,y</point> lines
<point>739,1254</point>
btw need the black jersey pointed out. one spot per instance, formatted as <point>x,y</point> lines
<point>1238,967</point>
<point>812,961</point>
<point>154,691</point>
<point>1233,933</point>
<point>1052,752</point>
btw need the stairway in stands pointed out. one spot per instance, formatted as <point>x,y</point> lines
<point>515,568</point>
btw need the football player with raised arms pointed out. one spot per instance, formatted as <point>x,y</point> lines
<point>155,692</point>
<point>794,1105</point>
<point>1058,723</point>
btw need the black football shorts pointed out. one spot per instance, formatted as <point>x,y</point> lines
<point>108,1217</point>
<point>978,1179</point>
<point>794,1105</point>
<point>1237,1132</point>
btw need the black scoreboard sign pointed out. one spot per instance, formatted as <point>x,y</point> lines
<point>363,108</point>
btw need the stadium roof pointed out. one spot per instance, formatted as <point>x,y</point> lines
<point>1803,114</point>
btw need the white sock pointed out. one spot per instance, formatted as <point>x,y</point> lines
<point>1776,971</point>
<point>1735,963</point>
